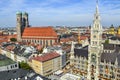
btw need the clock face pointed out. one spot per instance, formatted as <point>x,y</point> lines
<point>94,36</point>
<point>96,17</point>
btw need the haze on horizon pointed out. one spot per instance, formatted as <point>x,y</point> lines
<point>60,12</point>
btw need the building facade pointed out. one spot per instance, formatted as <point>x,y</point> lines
<point>7,64</point>
<point>98,61</point>
<point>46,64</point>
<point>58,49</point>
<point>79,59</point>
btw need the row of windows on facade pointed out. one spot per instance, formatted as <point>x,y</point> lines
<point>13,66</point>
<point>47,66</point>
<point>82,67</point>
<point>81,64</point>
<point>107,76</point>
<point>106,66</point>
<point>25,78</point>
<point>81,61</point>
<point>39,41</point>
<point>109,51</point>
<point>94,42</point>
<point>109,67</point>
<point>101,66</point>
<point>109,72</point>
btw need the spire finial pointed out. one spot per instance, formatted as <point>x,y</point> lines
<point>96,1</point>
<point>97,6</point>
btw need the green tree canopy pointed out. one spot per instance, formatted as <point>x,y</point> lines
<point>13,39</point>
<point>24,65</point>
<point>107,41</point>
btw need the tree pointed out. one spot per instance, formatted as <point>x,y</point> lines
<point>13,39</point>
<point>107,41</point>
<point>24,65</point>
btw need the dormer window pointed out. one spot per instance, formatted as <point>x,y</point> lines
<point>110,51</point>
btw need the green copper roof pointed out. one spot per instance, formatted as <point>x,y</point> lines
<point>19,13</point>
<point>25,13</point>
<point>5,61</point>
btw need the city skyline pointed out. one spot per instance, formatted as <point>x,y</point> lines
<point>59,13</point>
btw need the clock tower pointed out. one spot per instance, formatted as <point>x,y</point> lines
<point>95,47</point>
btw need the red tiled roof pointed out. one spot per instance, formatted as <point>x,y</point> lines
<point>67,39</point>
<point>46,56</point>
<point>56,44</point>
<point>39,31</point>
<point>3,39</point>
<point>10,47</point>
<point>11,36</point>
<point>7,38</point>
<point>83,37</point>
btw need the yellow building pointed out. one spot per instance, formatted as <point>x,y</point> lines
<point>118,31</point>
<point>46,64</point>
<point>111,31</point>
<point>114,31</point>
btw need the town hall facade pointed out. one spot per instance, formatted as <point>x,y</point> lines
<point>98,61</point>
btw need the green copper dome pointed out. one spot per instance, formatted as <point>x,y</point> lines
<point>19,13</point>
<point>25,13</point>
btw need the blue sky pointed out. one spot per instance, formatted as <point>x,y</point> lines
<point>60,12</point>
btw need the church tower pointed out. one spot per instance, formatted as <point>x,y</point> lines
<point>95,47</point>
<point>19,25</point>
<point>25,20</point>
<point>72,50</point>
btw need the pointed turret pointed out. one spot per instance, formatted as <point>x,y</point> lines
<point>96,30</point>
<point>96,15</point>
<point>97,10</point>
<point>72,50</point>
<point>95,46</point>
<point>79,40</point>
<point>116,62</point>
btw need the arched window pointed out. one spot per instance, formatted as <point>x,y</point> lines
<point>41,42</point>
<point>50,42</point>
<point>46,42</point>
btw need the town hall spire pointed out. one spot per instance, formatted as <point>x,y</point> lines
<point>97,10</point>
<point>95,46</point>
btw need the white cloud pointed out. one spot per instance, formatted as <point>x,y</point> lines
<point>58,12</point>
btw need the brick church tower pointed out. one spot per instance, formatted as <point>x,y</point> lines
<point>25,20</point>
<point>22,22</point>
<point>19,25</point>
<point>44,36</point>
